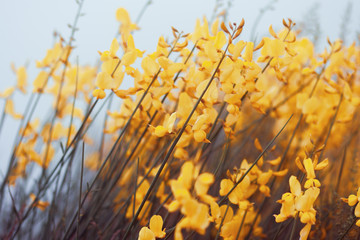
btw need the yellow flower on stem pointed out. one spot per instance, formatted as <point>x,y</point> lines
<point>146,234</point>
<point>99,93</point>
<point>195,218</point>
<point>273,47</point>
<point>127,26</point>
<point>239,194</point>
<point>7,92</point>
<point>305,203</point>
<point>109,54</point>
<point>156,224</point>
<point>167,127</point>
<point>353,200</point>
<point>21,76</point>
<point>218,213</point>
<point>201,123</point>
<point>42,205</point>
<point>309,167</point>
<point>9,109</point>
<point>155,231</point>
<point>299,203</point>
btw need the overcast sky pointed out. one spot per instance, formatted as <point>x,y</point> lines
<point>27,27</point>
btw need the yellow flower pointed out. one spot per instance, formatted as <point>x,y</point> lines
<point>240,193</point>
<point>195,218</point>
<point>155,230</point>
<point>248,55</point>
<point>203,182</point>
<point>21,80</point>
<point>99,93</point>
<point>167,127</point>
<point>9,109</point>
<point>107,55</point>
<point>201,124</point>
<point>353,200</point>
<point>310,174</point>
<point>169,69</point>
<point>7,93</point>
<point>156,224</point>
<point>299,202</point>
<point>273,47</point>
<point>262,180</point>
<point>149,66</point>
<point>42,205</point>
<point>110,76</point>
<point>304,233</point>
<point>123,16</point>
<point>218,213</point>
<point>40,81</point>
<point>58,52</point>
<point>146,234</point>
<point>305,203</point>
<point>309,166</point>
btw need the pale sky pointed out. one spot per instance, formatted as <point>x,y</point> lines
<point>27,28</point>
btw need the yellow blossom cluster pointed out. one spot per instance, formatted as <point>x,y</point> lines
<point>181,148</point>
<point>301,203</point>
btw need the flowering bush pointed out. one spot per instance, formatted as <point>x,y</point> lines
<point>212,135</point>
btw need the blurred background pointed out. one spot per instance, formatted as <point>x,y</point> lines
<point>27,29</point>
